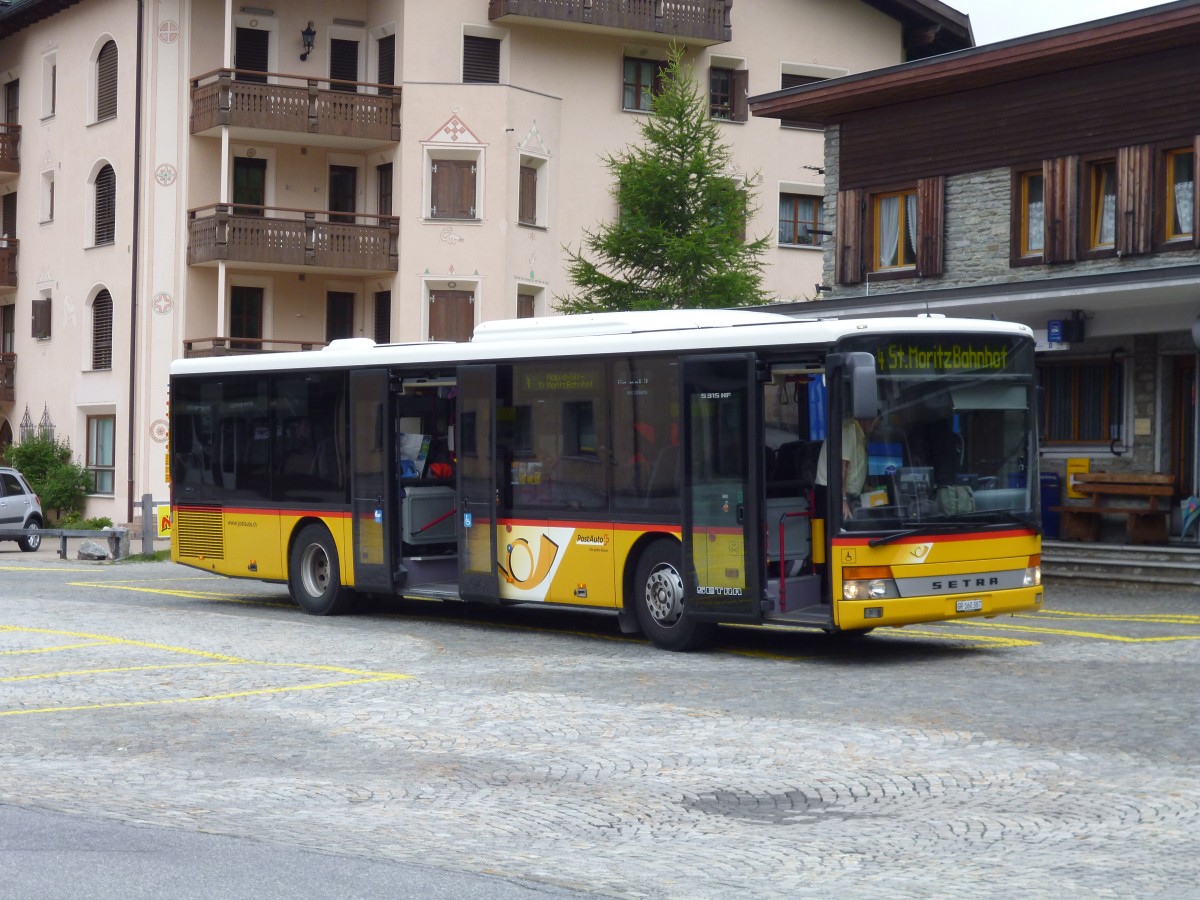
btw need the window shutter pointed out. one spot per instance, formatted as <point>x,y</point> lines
<point>1135,188</point>
<point>849,236</point>
<point>106,206</point>
<point>343,65</point>
<point>41,318</point>
<point>527,211</point>
<point>8,215</point>
<point>1195,192</point>
<point>250,54</point>
<point>1060,190</point>
<point>387,64</point>
<point>525,306</point>
<point>102,313</point>
<point>738,89</point>
<point>451,315</point>
<point>931,204</point>
<point>383,317</point>
<point>106,82</point>
<point>481,60</point>
<point>452,189</point>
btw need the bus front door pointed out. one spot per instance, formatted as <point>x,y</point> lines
<point>370,456</point>
<point>475,437</point>
<point>722,515</point>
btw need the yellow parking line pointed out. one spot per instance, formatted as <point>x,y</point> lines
<point>1147,618</point>
<point>54,649</point>
<point>1091,634</point>
<point>978,638</point>
<point>221,596</point>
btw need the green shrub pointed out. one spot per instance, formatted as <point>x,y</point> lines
<point>76,521</point>
<point>61,482</point>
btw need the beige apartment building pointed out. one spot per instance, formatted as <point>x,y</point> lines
<point>199,177</point>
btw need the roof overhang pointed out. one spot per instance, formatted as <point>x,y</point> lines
<point>18,14</point>
<point>1165,27</point>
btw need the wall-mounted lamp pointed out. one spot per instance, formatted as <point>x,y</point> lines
<point>308,35</point>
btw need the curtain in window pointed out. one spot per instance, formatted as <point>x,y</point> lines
<point>1183,207</point>
<point>1035,214</point>
<point>889,230</point>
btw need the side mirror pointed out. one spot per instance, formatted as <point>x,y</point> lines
<point>864,385</point>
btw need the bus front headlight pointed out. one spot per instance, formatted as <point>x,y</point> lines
<point>868,583</point>
<point>1033,574</point>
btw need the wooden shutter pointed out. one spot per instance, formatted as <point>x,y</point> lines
<point>383,317</point>
<point>106,206</point>
<point>41,318</point>
<point>343,65</point>
<point>8,215</point>
<point>1135,193</point>
<point>931,206</point>
<point>452,189</point>
<point>525,306</point>
<point>383,180</point>
<point>481,60</point>
<point>1195,192</point>
<point>849,236</point>
<point>102,313</point>
<point>387,64</point>
<point>527,204</point>
<point>250,54</point>
<point>106,82</point>
<point>738,89</point>
<point>451,315</point>
<point>1060,190</point>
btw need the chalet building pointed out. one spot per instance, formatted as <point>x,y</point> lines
<point>1048,180</point>
<point>201,177</point>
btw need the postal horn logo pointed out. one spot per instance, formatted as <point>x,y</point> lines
<point>525,568</point>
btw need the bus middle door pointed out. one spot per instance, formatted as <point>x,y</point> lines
<point>370,474</point>
<point>722,509</point>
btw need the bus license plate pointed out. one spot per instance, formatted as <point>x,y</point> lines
<point>968,605</point>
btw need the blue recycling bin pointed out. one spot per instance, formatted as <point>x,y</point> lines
<point>1051,495</point>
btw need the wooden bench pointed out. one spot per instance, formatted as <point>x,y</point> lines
<point>1146,519</point>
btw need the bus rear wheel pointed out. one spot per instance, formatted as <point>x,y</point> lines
<point>314,573</point>
<point>659,600</point>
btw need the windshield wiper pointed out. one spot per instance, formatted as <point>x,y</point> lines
<point>940,528</point>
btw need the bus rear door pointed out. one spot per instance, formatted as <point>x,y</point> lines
<point>722,510</point>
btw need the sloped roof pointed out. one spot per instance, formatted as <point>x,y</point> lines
<point>18,14</point>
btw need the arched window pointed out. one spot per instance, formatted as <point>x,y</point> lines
<point>106,82</point>
<point>102,315</point>
<point>106,205</point>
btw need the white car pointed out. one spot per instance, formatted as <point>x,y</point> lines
<point>20,507</point>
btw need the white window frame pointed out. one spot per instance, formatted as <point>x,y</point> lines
<point>267,284</point>
<point>540,162</point>
<point>539,297</point>
<point>432,283</point>
<point>804,189</point>
<point>95,412</point>
<point>260,152</point>
<point>434,152</point>
<point>89,204</point>
<point>485,31</point>
<point>50,84</point>
<point>94,79</point>
<point>47,197</point>
<point>261,23</point>
<point>90,331</point>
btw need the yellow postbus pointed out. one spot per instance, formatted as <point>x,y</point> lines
<point>667,466</point>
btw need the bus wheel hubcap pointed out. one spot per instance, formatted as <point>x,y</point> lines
<point>664,595</point>
<point>315,570</point>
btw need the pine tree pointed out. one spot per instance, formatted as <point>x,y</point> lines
<point>679,241</point>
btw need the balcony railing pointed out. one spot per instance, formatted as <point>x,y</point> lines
<point>8,261</point>
<point>10,148</point>
<point>291,103</point>
<point>277,236</point>
<point>8,376</point>
<point>197,348</point>
<point>705,21</point>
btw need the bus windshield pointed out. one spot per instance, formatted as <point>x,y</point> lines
<point>954,443</point>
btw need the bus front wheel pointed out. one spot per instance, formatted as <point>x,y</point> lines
<point>659,600</point>
<point>314,573</point>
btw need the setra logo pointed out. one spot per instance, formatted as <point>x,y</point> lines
<point>525,568</point>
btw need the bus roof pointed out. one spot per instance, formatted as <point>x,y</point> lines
<point>682,331</point>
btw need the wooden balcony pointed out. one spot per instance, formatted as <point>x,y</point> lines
<point>308,109</point>
<point>10,151</point>
<point>702,22</point>
<point>8,262</point>
<point>270,237</point>
<point>8,376</point>
<point>197,348</point>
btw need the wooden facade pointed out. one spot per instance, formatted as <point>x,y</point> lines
<point>1136,100</point>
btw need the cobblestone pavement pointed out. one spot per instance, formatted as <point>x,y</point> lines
<point>1048,756</point>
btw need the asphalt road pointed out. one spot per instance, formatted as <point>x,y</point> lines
<point>168,733</point>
